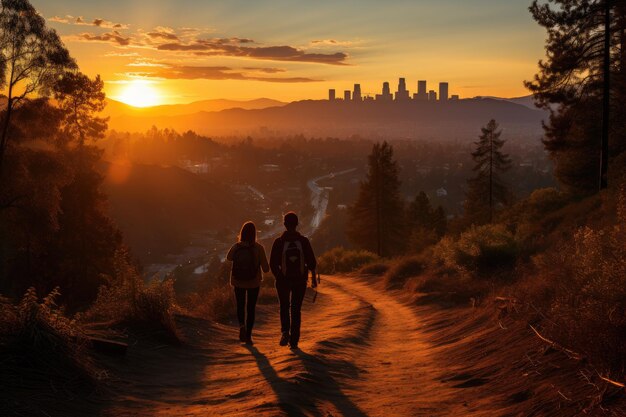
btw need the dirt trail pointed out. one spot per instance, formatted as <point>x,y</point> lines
<point>363,353</point>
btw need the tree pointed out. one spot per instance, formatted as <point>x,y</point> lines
<point>81,99</point>
<point>32,57</point>
<point>425,224</point>
<point>583,85</point>
<point>487,189</point>
<point>377,218</point>
<point>420,212</point>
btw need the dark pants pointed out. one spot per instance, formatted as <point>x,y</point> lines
<point>250,307</point>
<point>290,297</point>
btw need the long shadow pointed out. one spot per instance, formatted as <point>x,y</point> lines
<point>325,383</point>
<point>293,399</point>
<point>288,400</point>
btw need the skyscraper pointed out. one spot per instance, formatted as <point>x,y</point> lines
<point>432,95</point>
<point>422,93</point>
<point>402,93</point>
<point>386,93</point>
<point>421,88</point>
<point>346,95</point>
<point>331,94</point>
<point>356,95</point>
<point>443,91</point>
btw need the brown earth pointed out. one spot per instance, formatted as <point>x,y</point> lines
<point>364,352</point>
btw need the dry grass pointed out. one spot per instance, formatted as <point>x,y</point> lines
<point>42,352</point>
<point>340,260</point>
<point>127,300</point>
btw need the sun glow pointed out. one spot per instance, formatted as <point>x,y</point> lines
<point>140,93</point>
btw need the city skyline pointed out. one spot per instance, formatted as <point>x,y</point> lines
<point>401,94</point>
<point>189,50</point>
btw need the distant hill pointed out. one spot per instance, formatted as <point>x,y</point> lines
<point>454,119</point>
<point>159,208</point>
<point>116,109</point>
<point>526,101</point>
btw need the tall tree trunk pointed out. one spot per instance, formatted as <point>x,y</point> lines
<point>606,97</point>
<point>490,177</point>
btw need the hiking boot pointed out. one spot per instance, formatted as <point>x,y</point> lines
<point>293,346</point>
<point>249,341</point>
<point>242,333</point>
<point>284,339</point>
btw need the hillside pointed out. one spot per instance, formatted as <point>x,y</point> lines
<point>159,208</point>
<point>116,109</point>
<point>452,120</point>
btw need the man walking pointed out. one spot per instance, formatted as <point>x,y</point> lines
<point>290,261</point>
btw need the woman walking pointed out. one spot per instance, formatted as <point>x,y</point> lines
<point>248,258</point>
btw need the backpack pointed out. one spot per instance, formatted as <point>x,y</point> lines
<point>293,260</point>
<point>244,265</point>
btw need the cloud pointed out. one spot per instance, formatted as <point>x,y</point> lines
<point>266,70</point>
<point>331,42</point>
<point>184,72</point>
<point>114,37</point>
<point>80,21</point>
<point>234,47</point>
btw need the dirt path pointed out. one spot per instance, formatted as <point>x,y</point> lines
<point>363,353</point>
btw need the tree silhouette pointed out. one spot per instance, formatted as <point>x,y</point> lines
<point>32,57</point>
<point>377,218</point>
<point>583,85</point>
<point>425,224</point>
<point>487,189</point>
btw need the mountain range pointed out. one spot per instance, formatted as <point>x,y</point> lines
<point>458,119</point>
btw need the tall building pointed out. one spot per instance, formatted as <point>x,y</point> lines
<point>356,94</point>
<point>432,95</point>
<point>402,93</point>
<point>346,95</point>
<point>421,88</point>
<point>331,94</point>
<point>386,93</point>
<point>443,91</point>
<point>422,93</point>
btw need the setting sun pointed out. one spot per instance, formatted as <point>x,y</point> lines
<point>140,93</point>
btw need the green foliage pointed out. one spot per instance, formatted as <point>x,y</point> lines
<point>377,221</point>
<point>487,190</point>
<point>479,250</point>
<point>339,260</point>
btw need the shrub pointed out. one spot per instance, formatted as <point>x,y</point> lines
<point>41,349</point>
<point>376,268</point>
<point>403,268</point>
<point>128,300</point>
<point>588,280</point>
<point>342,260</point>
<point>479,250</point>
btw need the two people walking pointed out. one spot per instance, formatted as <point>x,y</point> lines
<point>291,260</point>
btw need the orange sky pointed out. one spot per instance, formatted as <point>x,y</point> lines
<point>191,50</point>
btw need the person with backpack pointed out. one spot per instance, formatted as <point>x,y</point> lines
<point>248,259</point>
<point>291,260</point>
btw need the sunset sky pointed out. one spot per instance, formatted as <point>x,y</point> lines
<point>189,50</point>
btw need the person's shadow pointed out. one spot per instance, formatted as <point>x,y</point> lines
<point>296,397</point>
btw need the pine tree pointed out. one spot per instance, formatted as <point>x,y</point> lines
<point>583,85</point>
<point>377,218</point>
<point>425,224</point>
<point>420,212</point>
<point>487,189</point>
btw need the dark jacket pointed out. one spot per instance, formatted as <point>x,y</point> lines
<point>277,253</point>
